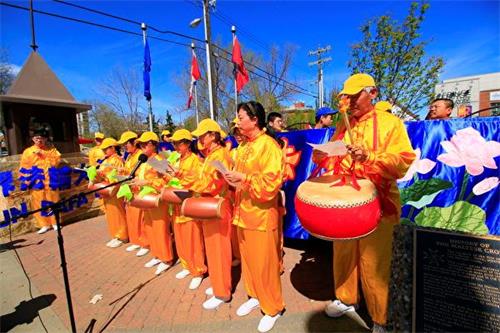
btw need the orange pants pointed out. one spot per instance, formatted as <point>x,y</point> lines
<point>190,248</point>
<point>235,247</point>
<point>369,260</point>
<point>134,224</point>
<point>260,268</point>
<point>116,218</point>
<point>217,238</point>
<point>37,196</point>
<point>157,230</point>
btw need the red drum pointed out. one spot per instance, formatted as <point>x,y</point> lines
<point>174,195</point>
<point>337,212</point>
<point>148,201</point>
<point>105,193</point>
<point>204,208</point>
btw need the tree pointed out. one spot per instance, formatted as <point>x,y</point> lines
<point>121,91</point>
<point>106,120</point>
<point>7,75</point>
<point>265,88</point>
<point>394,55</point>
<point>169,122</point>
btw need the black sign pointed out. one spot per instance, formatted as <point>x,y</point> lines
<point>456,282</point>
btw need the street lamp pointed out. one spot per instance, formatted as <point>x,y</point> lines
<point>208,45</point>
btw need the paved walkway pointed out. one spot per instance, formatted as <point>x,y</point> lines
<point>134,299</point>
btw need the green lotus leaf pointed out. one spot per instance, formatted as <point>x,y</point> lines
<point>146,190</point>
<point>91,173</point>
<point>461,216</point>
<point>423,188</point>
<point>124,192</point>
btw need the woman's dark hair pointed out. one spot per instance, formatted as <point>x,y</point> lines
<point>256,110</point>
<point>218,138</point>
<point>136,144</point>
<point>185,141</point>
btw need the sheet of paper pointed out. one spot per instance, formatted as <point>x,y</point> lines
<point>219,166</point>
<point>161,166</point>
<point>335,148</point>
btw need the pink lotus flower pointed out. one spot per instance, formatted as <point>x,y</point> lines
<point>421,166</point>
<point>485,185</point>
<point>467,147</point>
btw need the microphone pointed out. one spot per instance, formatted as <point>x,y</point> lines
<point>142,158</point>
<point>101,162</point>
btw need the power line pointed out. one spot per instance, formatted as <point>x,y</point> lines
<point>91,23</point>
<point>301,91</point>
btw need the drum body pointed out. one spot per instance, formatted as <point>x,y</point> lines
<point>337,212</point>
<point>149,201</point>
<point>204,208</point>
<point>108,192</point>
<point>174,195</point>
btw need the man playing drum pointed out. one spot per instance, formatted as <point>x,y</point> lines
<point>381,152</point>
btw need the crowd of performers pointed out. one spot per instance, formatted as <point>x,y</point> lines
<point>249,231</point>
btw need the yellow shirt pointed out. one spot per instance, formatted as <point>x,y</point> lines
<point>147,172</point>
<point>114,162</point>
<point>209,181</point>
<point>95,154</point>
<point>131,161</point>
<point>390,154</point>
<point>46,158</point>
<point>256,205</point>
<point>189,169</point>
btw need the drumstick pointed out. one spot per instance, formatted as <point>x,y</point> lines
<point>343,107</point>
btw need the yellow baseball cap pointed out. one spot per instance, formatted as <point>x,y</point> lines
<point>235,123</point>
<point>148,136</point>
<point>108,142</point>
<point>356,82</point>
<point>98,135</point>
<point>208,125</point>
<point>383,106</point>
<point>182,134</point>
<point>165,132</point>
<point>128,135</point>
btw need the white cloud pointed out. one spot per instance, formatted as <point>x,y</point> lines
<point>15,68</point>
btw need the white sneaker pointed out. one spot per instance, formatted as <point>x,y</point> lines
<point>54,226</point>
<point>43,230</point>
<point>182,274</point>
<point>378,329</point>
<point>108,244</point>
<point>142,252</point>
<point>247,307</point>
<point>267,323</point>
<point>212,303</point>
<point>152,262</point>
<point>116,243</point>
<point>132,247</point>
<point>195,282</point>
<point>162,267</point>
<point>209,291</point>
<point>337,309</point>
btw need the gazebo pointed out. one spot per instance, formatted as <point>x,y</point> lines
<point>38,99</point>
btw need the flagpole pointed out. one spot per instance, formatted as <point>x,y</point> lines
<point>195,94</point>
<point>211,93</point>
<point>150,107</point>
<point>233,31</point>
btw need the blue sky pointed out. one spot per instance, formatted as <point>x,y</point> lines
<point>465,33</point>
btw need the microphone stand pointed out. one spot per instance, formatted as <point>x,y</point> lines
<point>56,209</point>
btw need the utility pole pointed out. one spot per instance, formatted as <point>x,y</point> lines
<point>210,74</point>
<point>320,62</point>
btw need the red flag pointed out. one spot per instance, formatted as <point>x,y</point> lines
<point>240,73</point>
<point>195,76</point>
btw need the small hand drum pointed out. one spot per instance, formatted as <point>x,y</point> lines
<point>204,208</point>
<point>108,192</point>
<point>149,201</point>
<point>337,212</point>
<point>174,195</point>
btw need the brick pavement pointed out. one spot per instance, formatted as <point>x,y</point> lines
<point>135,300</point>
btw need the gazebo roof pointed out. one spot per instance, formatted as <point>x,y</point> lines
<point>36,83</point>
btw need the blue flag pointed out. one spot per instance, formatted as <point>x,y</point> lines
<point>147,70</point>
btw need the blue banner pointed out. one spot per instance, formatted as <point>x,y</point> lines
<point>453,183</point>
